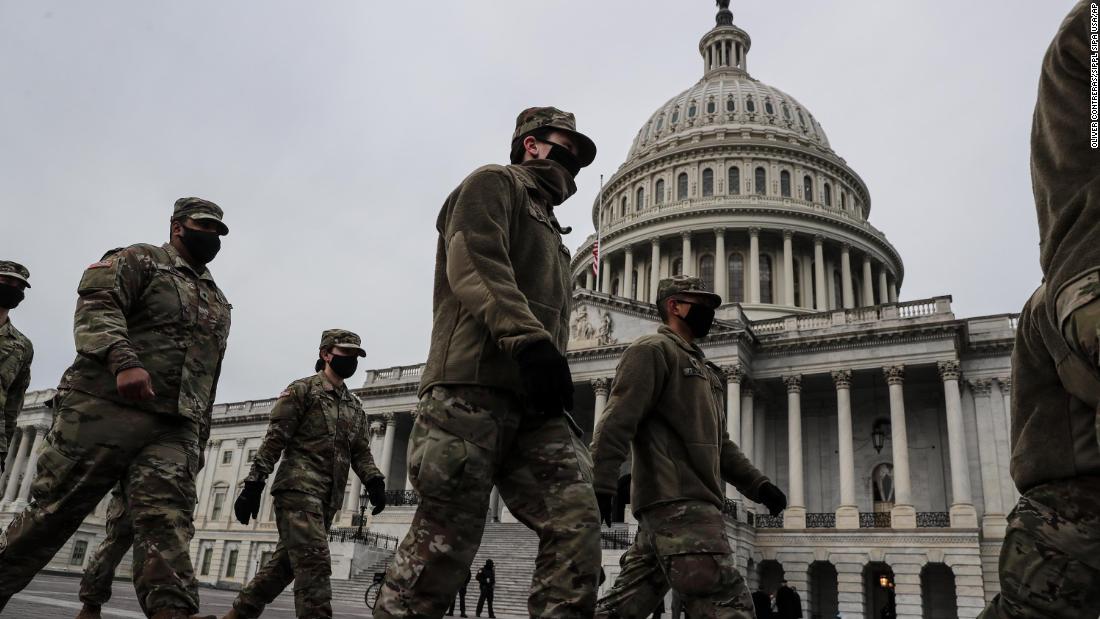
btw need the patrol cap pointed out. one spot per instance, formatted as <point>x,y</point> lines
<point>16,270</point>
<point>342,339</point>
<point>686,286</point>
<point>535,118</point>
<point>197,208</point>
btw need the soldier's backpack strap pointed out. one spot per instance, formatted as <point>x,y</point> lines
<point>1078,378</point>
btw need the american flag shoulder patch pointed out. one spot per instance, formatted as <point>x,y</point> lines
<point>102,264</point>
<point>284,394</point>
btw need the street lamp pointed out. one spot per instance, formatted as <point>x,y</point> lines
<point>363,498</point>
<point>878,435</point>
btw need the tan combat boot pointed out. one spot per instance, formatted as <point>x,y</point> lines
<point>90,611</point>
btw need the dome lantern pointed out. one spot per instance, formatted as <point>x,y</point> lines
<point>725,47</point>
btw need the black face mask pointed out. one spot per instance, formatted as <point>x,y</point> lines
<point>343,367</point>
<point>568,160</point>
<point>699,320</point>
<point>10,296</point>
<point>202,245</point>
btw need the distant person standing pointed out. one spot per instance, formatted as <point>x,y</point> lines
<point>763,603</point>
<point>461,597</point>
<point>788,602</point>
<point>487,581</point>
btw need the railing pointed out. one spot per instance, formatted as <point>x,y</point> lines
<point>858,315</point>
<point>400,372</point>
<point>398,498</point>
<point>874,520</point>
<point>369,538</point>
<point>767,521</point>
<point>616,539</point>
<point>932,520</point>
<point>729,508</point>
<point>823,520</point>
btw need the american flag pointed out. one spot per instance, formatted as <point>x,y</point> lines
<point>596,258</point>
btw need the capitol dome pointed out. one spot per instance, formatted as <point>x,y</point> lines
<point>735,181</point>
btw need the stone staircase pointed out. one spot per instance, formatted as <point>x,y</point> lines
<point>511,546</point>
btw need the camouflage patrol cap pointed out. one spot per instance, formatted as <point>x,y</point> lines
<point>342,339</point>
<point>535,118</point>
<point>686,286</point>
<point>197,208</point>
<point>16,270</point>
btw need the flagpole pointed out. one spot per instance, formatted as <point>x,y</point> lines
<point>599,230</point>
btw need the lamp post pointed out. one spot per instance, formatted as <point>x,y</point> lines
<point>878,435</point>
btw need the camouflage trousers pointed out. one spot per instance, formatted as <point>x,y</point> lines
<point>465,441</point>
<point>1050,561</point>
<point>95,444</point>
<point>301,556</point>
<point>681,546</point>
<point>95,585</point>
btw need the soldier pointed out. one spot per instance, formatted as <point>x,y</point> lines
<point>320,428</point>
<point>668,403</point>
<point>1050,560</point>
<point>496,386</point>
<point>16,353</point>
<point>151,329</point>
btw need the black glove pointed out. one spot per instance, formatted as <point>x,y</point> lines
<point>248,503</point>
<point>772,498</point>
<point>376,491</point>
<point>546,378</point>
<point>606,501</point>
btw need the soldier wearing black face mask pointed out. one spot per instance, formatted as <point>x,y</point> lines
<point>319,429</point>
<point>16,353</point>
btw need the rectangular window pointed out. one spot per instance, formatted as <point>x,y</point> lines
<point>219,500</point>
<point>227,456</point>
<point>80,548</point>
<point>231,564</point>
<point>251,455</point>
<point>207,555</point>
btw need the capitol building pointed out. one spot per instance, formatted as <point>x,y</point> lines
<point>886,421</point>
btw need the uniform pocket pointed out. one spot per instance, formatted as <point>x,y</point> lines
<point>437,461</point>
<point>53,472</point>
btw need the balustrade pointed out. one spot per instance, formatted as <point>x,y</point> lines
<point>398,498</point>
<point>825,520</point>
<point>932,520</point>
<point>874,520</point>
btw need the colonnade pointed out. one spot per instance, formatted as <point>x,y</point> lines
<point>20,464</point>
<point>877,282</point>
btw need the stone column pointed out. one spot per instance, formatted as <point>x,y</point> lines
<point>32,463</point>
<point>734,374</point>
<point>601,387</point>
<point>883,289</point>
<point>387,445</point>
<point>822,303</point>
<point>754,265</point>
<point>605,273</point>
<point>962,505</point>
<point>687,259</point>
<point>846,276</point>
<point>788,268</point>
<point>205,479</point>
<point>847,513</point>
<point>356,490</point>
<point>747,431</point>
<point>721,272</point>
<point>849,584</point>
<point>655,270</point>
<point>13,449</point>
<point>868,283</point>
<point>903,516</point>
<point>627,290</point>
<point>1006,393</point>
<point>893,292</point>
<point>589,279</point>
<point>795,516</point>
<point>238,482</point>
<point>993,518</point>
<point>19,464</point>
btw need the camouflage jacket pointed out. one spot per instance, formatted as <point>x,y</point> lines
<point>501,280</point>
<point>16,354</point>
<point>144,306</point>
<point>668,402</point>
<point>319,429</point>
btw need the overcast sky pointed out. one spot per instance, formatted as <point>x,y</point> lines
<point>332,131</point>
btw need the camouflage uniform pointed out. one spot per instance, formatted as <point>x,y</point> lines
<point>1050,560</point>
<point>322,429</point>
<point>16,354</point>
<point>668,406</point>
<point>142,306</point>
<point>95,585</point>
<point>502,284</point>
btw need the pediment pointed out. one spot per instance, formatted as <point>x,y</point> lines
<point>599,320</point>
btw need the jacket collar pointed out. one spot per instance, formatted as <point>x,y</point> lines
<point>691,349</point>
<point>180,263</point>
<point>340,393</point>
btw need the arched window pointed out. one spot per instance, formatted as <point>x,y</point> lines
<point>622,207</point>
<point>675,116</point>
<point>677,266</point>
<point>708,182</point>
<point>768,107</point>
<point>706,271</point>
<point>639,199</point>
<point>761,181</point>
<point>797,279</point>
<point>785,184</point>
<point>682,186</point>
<point>786,112</point>
<point>731,104</point>
<point>750,105</point>
<point>659,192</point>
<point>660,122</point>
<point>827,194</point>
<point>801,119</point>
<point>843,201</point>
<point>808,188</point>
<point>734,181</point>
<point>691,110</point>
<point>736,270</point>
<point>711,107</point>
<point>838,290</point>
<point>766,279</point>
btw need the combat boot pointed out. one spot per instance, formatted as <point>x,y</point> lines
<point>178,613</point>
<point>89,611</point>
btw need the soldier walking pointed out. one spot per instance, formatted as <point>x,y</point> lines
<point>319,429</point>
<point>1050,561</point>
<point>496,386</point>
<point>668,404</point>
<point>16,354</point>
<point>151,329</point>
